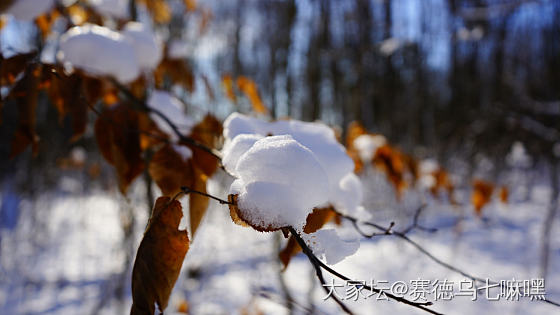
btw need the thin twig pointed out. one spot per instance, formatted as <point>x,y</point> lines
<point>404,237</point>
<point>317,263</point>
<point>168,121</point>
<point>187,191</point>
<point>415,224</point>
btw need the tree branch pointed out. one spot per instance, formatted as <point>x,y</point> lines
<point>318,264</point>
<point>403,236</point>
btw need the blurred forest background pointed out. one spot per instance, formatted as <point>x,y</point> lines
<point>460,81</point>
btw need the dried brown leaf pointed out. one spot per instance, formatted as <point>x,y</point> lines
<point>198,204</point>
<point>159,258</point>
<point>116,131</point>
<point>482,192</point>
<point>249,88</point>
<point>207,132</point>
<point>26,93</point>
<point>170,171</point>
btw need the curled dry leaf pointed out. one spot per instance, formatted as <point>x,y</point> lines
<point>159,258</point>
<point>116,131</point>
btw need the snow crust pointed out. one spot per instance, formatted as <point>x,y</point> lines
<point>99,51</point>
<point>27,10</point>
<point>171,107</point>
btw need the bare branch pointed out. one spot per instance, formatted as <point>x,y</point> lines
<point>318,264</point>
<point>403,236</point>
<point>187,191</point>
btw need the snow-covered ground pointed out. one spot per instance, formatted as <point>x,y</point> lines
<point>66,255</point>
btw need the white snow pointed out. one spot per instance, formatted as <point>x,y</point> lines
<point>27,10</point>
<point>171,107</point>
<point>518,156</point>
<point>280,182</point>
<point>367,145</point>
<point>99,51</point>
<point>147,46</point>
<point>233,150</point>
<point>115,8</point>
<point>326,243</point>
<point>318,138</point>
<point>284,169</point>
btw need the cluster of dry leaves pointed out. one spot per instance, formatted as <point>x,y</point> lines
<point>402,171</point>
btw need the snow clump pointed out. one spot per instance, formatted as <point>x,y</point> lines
<point>285,169</point>
<point>27,10</point>
<point>99,51</point>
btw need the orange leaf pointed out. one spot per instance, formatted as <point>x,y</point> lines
<point>482,192</point>
<point>227,86</point>
<point>292,248</point>
<point>78,14</point>
<point>170,171</point>
<point>159,258</point>
<point>177,71</point>
<point>183,307</point>
<point>354,130</point>
<point>249,88</point>
<point>161,13</point>
<point>390,161</point>
<point>198,204</point>
<point>504,194</point>
<point>317,219</point>
<point>116,131</point>
<point>190,5</point>
<point>207,132</point>
<point>45,21</point>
